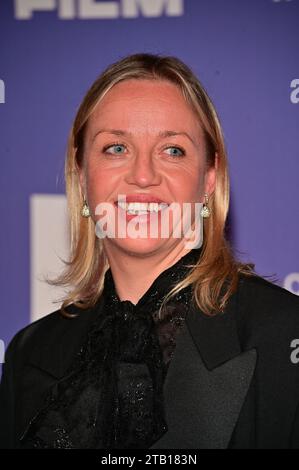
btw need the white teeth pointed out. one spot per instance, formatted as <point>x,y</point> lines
<point>141,207</point>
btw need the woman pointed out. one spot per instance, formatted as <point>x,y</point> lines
<point>159,343</point>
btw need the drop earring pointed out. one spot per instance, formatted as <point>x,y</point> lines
<point>205,211</point>
<point>85,212</point>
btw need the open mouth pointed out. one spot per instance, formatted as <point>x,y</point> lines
<point>141,208</point>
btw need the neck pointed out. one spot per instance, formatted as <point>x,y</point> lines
<point>134,273</point>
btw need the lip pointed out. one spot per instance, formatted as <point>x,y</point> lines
<point>141,198</point>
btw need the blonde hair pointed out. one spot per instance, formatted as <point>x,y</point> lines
<point>215,277</point>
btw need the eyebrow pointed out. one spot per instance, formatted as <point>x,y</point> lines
<point>162,134</point>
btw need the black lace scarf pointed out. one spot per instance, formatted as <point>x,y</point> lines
<point>112,395</point>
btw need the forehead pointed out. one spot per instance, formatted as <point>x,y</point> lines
<point>145,105</point>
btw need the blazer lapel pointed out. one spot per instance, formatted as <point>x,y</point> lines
<point>207,382</point>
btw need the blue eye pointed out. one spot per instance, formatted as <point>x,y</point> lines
<point>178,152</point>
<point>118,148</point>
<point>116,145</point>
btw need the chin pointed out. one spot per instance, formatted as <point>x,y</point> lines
<point>137,246</point>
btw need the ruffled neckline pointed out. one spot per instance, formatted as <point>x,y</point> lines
<point>157,291</point>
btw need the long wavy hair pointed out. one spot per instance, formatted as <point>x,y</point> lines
<point>215,276</point>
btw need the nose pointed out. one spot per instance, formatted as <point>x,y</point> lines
<point>143,171</point>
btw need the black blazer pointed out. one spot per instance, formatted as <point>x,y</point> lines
<point>233,381</point>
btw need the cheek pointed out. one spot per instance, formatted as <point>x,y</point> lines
<point>97,185</point>
<point>188,185</point>
<point>102,184</point>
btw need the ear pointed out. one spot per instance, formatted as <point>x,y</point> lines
<point>210,177</point>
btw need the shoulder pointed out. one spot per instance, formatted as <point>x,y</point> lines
<point>33,332</point>
<point>266,308</point>
<point>256,291</point>
<point>49,331</point>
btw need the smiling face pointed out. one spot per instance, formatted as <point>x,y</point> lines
<point>144,139</point>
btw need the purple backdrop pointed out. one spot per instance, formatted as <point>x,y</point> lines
<point>244,52</point>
